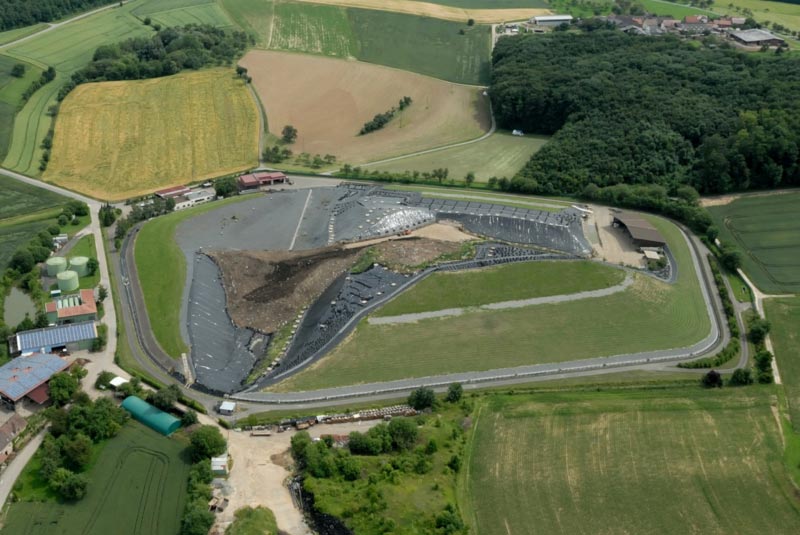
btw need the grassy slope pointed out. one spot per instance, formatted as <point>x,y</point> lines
<point>253,521</point>
<point>675,10</point>
<point>162,272</point>
<point>500,155</point>
<point>138,483</point>
<point>676,461</point>
<point>11,90</point>
<point>506,199</point>
<point>784,315</point>
<point>502,283</point>
<point>766,230</point>
<point>649,315</point>
<point>424,45</point>
<point>106,145</point>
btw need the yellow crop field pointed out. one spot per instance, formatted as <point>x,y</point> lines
<point>115,140</point>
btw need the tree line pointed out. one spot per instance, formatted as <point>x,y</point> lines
<point>19,13</point>
<point>169,51</point>
<point>382,119</point>
<point>636,110</point>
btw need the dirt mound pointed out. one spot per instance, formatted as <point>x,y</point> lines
<point>412,252</point>
<point>265,289</point>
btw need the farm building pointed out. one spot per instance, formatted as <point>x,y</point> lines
<point>150,416</point>
<point>551,20</point>
<point>219,465</point>
<point>756,38</point>
<point>171,193</point>
<point>643,233</point>
<point>253,181</point>
<point>227,407</point>
<point>8,432</point>
<point>28,377</point>
<point>194,198</point>
<point>71,337</point>
<point>72,308</point>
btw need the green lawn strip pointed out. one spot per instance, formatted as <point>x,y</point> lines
<point>631,462</point>
<point>139,468</point>
<point>784,316</point>
<point>424,45</point>
<point>162,272</point>
<point>502,283</point>
<point>768,235</point>
<point>647,316</point>
<point>18,33</point>
<point>499,155</point>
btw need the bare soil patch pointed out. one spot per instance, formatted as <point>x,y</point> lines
<point>413,251</point>
<point>329,100</point>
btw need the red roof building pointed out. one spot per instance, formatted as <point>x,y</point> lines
<point>261,178</point>
<point>72,308</point>
<point>175,191</point>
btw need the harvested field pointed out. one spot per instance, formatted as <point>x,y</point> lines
<point>115,140</point>
<point>329,100</point>
<point>675,461</point>
<point>438,11</point>
<point>266,289</point>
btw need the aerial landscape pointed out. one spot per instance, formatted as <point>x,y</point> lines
<point>356,267</point>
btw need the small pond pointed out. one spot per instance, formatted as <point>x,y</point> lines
<point>17,304</point>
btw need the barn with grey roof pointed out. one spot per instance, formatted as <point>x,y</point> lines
<point>28,377</point>
<point>72,337</point>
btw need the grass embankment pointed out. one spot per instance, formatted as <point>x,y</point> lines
<point>546,204</point>
<point>767,231</point>
<point>684,460</point>
<point>499,155</point>
<point>647,316</point>
<point>784,315</point>
<point>138,485</point>
<point>253,521</point>
<point>502,283</point>
<point>115,140</point>
<point>161,267</point>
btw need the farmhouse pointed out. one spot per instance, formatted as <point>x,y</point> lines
<point>254,181</point>
<point>8,432</point>
<point>28,377</point>
<point>72,308</point>
<point>171,193</point>
<point>72,337</point>
<point>643,233</point>
<point>756,38</point>
<point>551,20</point>
<point>150,416</point>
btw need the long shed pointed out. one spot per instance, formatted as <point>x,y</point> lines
<point>150,416</point>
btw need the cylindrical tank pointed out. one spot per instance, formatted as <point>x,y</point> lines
<point>56,265</point>
<point>79,264</point>
<point>67,281</point>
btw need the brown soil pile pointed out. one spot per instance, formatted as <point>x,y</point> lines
<point>413,251</point>
<point>265,289</point>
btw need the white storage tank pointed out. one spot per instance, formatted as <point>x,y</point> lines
<point>67,281</point>
<point>80,265</point>
<point>56,265</point>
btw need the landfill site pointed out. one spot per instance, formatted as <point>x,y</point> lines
<point>311,263</point>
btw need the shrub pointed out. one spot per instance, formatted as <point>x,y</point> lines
<point>207,442</point>
<point>741,377</point>
<point>454,392</point>
<point>422,398</point>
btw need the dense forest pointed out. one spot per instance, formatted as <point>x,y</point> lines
<point>169,51</point>
<point>19,13</point>
<point>649,110</point>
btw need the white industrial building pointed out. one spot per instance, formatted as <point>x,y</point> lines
<point>551,20</point>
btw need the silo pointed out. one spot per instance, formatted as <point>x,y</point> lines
<point>56,265</point>
<point>67,281</point>
<point>79,264</point>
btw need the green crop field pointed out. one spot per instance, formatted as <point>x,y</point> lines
<point>161,268</point>
<point>649,315</point>
<point>499,155</point>
<point>18,33</point>
<point>315,29</point>
<point>253,16</point>
<point>767,231</point>
<point>424,45</point>
<point>181,12</point>
<point>502,283</point>
<point>11,90</point>
<point>138,485</point>
<point>674,461</point>
<point>784,315</point>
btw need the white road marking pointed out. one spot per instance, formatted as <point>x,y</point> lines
<point>300,221</point>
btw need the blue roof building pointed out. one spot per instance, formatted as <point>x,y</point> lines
<point>72,337</point>
<point>28,376</point>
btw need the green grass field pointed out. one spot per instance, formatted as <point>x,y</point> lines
<point>315,29</point>
<point>11,90</point>
<point>678,11</point>
<point>181,12</point>
<point>137,485</point>
<point>155,249</point>
<point>784,315</point>
<point>424,45</point>
<point>674,461</point>
<point>502,283</point>
<point>490,4</point>
<point>253,16</point>
<point>18,33</point>
<point>767,231</point>
<point>499,155</point>
<point>648,315</point>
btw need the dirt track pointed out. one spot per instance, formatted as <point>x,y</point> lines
<point>329,100</point>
